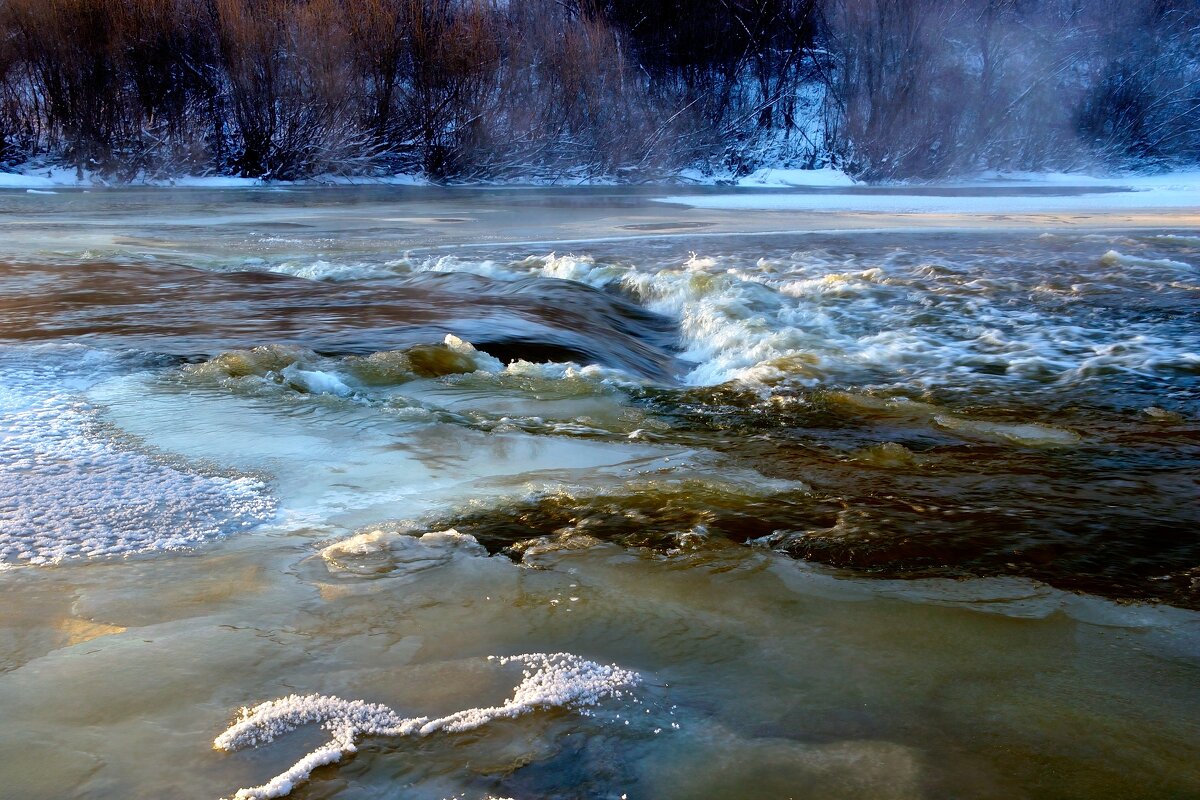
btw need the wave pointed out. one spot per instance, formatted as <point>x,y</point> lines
<point>152,306</point>
<point>815,318</point>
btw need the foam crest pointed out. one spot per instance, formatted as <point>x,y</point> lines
<point>1114,258</point>
<point>549,680</point>
<point>336,272</point>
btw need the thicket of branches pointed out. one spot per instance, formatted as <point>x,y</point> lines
<point>935,87</point>
<point>474,89</point>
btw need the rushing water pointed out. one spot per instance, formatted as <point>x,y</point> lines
<point>873,506</point>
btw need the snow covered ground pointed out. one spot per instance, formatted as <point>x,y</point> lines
<point>786,189</point>
<point>46,179</point>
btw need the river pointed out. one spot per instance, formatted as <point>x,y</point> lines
<point>785,503</point>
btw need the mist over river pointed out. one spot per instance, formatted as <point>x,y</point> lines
<point>768,503</point>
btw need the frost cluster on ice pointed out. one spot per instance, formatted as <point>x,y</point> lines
<point>67,490</point>
<point>549,680</point>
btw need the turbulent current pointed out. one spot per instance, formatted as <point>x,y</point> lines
<point>763,504</point>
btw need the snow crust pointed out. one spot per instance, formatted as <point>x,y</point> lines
<point>549,680</point>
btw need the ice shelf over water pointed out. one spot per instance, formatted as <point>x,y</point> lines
<point>70,490</point>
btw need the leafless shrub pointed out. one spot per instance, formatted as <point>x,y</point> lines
<point>1144,102</point>
<point>290,88</point>
<point>70,50</point>
<point>474,89</point>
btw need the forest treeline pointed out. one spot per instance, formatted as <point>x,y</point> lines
<point>634,89</point>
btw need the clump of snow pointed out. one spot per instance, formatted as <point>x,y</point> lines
<point>549,680</point>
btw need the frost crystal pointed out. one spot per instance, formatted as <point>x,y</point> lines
<point>549,680</point>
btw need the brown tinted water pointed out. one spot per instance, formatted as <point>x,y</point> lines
<point>877,506</point>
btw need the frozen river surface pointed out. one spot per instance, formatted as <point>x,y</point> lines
<point>782,502</point>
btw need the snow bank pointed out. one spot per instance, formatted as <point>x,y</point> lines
<point>824,177</point>
<point>48,177</point>
<point>12,180</point>
<point>1177,189</point>
<point>556,680</point>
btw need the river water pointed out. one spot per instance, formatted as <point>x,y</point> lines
<point>874,505</point>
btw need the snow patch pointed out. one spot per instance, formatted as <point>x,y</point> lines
<point>824,177</point>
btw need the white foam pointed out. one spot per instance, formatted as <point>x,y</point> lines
<point>549,680</point>
<point>321,270</point>
<point>816,318</point>
<point>68,490</point>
